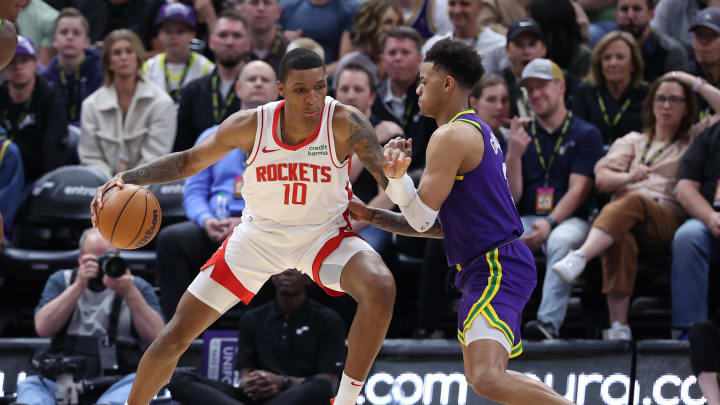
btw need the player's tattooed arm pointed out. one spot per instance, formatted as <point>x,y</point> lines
<point>363,141</point>
<point>395,222</point>
<point>164,169</point>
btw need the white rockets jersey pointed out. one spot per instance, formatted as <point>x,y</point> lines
<point>295,185</point>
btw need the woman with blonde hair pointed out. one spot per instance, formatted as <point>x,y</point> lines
<point>612,99</point>
<point>128,121</point>
<point>641,171</point>
<point>372,20</point>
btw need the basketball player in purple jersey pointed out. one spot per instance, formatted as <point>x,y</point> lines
<point>465,183</point>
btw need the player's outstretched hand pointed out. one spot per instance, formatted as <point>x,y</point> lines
<point>398,156</point>
<point>97,203</point>
<point>359,211</point>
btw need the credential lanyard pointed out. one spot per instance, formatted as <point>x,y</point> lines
<point>619,114</point>
<point>546,167</point>
<point>655,155</point>
<point>219,114</point>
<point>72,98</point>
<point>175,94</point>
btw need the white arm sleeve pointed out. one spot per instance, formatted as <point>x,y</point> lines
<point>402,192</point>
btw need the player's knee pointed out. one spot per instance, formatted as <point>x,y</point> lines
<point>486,381</point>
<point>173,340</point>
<point>383,288</point>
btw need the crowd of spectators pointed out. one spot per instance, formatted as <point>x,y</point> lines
<point>605,110</point>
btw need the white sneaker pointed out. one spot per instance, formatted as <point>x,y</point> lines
<point>570,266</point>
<point>617,332</point>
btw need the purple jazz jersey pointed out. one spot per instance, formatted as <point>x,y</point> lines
<point>481,227</point>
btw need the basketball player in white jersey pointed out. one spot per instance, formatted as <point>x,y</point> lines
<point>296,193</point>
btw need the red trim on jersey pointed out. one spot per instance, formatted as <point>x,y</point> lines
<point>331,143</point>
<point>346,214</point>
<point>262,123</point>
<point>276,118</point>
<point>222,274</point>
<point>324,252</point>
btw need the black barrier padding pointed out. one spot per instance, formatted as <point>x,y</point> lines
<point>15,356</point>
<point>664,375</point>
<point>170,197</point>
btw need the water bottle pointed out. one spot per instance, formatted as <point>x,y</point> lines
<point>221,209</point>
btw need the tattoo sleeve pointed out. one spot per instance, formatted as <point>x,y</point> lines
<point>396,223</point>
<point>363,141</point>
<point>164,169</point>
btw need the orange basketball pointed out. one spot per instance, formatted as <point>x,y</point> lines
<point>130,217</point>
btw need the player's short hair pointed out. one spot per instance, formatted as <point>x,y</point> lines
<point>299,59</point>
<point>72,12</point>
<point>358,68</point>
<point>459,60</point>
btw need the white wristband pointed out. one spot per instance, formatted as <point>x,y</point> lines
<point>401,191</point>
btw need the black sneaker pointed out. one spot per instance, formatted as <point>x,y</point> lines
<point>539,330</point>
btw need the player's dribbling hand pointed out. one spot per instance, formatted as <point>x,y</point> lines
<point>97,203</point>
<point>398,156</point>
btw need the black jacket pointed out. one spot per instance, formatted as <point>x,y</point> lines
<point>42,131</point>
<point>135,15</point>
<point>416,126</point>
<point>195,112</point>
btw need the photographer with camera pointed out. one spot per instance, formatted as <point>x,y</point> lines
<point>99,316</point>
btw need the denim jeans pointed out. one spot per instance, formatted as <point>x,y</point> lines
<point>33,391</point>
<point>694,248</point>
<point>568,235</point>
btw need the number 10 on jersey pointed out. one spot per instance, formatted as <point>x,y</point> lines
<point>299,192</point>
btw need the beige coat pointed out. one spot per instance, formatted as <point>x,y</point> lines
<point>112,145</point>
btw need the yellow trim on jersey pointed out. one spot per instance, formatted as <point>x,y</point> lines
<point>458,267</point>
<point>517,350</point>
<point>2,151</point>
<point>484,307</point>
<point>460,177</point>
<point>471,122</point>
<point>468,111</point>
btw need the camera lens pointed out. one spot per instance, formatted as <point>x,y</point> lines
<point>114,266</point>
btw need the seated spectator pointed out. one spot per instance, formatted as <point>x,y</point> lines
<point>128,121</point>
<point>36,22</point>
<point>268,40</point>
<point>207,12</point>
<point>563,36</point>
<point>136,15</point>
<point>178,65</point>
<point>550,183</point>
<point>491,100</point>
<point>396,99</point>
<point>525,42</point>
<point>427,17</point>
<point>674,17</point>
<point>289,353</point>
<point>641,170</point>
<point>696,244</point>
<point>76,68</point>
<point>373,19</point>
<point>613,98</point>
<point>183,248</point>
<point>705,359</point>
<point>12,182</point>
<point>706,51</point>
<point>209,100</point>
<point>326,21</point>
<point>32,107</point>
<point>464,18</point>
<point>499,14</point>
<point>81,308</point>
<point>660,53</point>
<point>357,88</point>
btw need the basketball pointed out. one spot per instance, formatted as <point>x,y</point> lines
<point>130,217</point>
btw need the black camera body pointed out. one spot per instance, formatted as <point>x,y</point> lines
<point>112,265</point>
<point>53,365</point>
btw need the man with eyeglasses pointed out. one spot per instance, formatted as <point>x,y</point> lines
<point>550,181</point>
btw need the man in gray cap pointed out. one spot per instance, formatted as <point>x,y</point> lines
<point>706,51</point>
<point>550,182</point>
